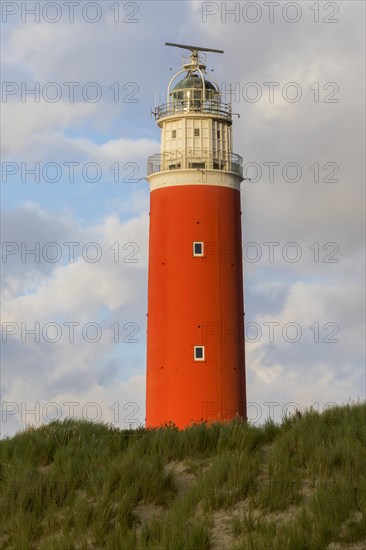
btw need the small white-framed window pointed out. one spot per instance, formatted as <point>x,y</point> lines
<point>196,132</point>
<point>218,134</point>
<point>174,134</point>
<point>199,353</point>
<point>198,249</point>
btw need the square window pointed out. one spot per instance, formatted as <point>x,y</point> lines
<point>196,132</point>
<point>197,249</point>
<point>199,353</point>
<point>174,134</point>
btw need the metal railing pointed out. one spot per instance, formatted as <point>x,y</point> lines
<point>195,161</point>
<point>193,106</point>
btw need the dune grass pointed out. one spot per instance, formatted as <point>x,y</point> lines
<point>77,485</point>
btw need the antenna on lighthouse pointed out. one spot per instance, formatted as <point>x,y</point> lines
<point>195,59</point>
<point>193,48</point>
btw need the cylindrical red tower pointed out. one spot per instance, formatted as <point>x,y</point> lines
<point>195,336</point>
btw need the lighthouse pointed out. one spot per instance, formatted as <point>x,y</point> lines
<point>195,323</point>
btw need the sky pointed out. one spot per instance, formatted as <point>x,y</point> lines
<point>79,80</point>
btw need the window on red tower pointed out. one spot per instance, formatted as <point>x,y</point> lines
<point>198,249</point>
<point>199,353</point>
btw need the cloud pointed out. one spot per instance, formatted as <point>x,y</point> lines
<point>62,321</point>
<point>87,274</point>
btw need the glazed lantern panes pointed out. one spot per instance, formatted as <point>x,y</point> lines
<point>188,94</point>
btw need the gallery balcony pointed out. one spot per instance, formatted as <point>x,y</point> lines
<point>195,161</point>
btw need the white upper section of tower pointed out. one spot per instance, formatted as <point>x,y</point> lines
<point>196,125</point>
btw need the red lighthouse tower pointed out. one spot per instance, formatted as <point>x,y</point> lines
<point>195,335</point>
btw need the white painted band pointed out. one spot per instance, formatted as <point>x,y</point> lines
<point>195,176</point>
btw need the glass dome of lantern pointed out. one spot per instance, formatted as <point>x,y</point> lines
<point>193,93</point>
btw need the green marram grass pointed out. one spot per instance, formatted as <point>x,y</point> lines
<point>298,485</point>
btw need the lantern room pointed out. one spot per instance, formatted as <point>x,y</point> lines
<point>193,93</point>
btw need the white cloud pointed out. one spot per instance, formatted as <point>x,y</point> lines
<point>84,285</point>
<point>24,122</point>
<point>102,294</point>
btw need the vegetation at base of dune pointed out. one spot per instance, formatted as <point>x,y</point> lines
<point>297,485</point>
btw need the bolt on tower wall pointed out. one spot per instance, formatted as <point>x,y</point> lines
<point>195,334</point>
